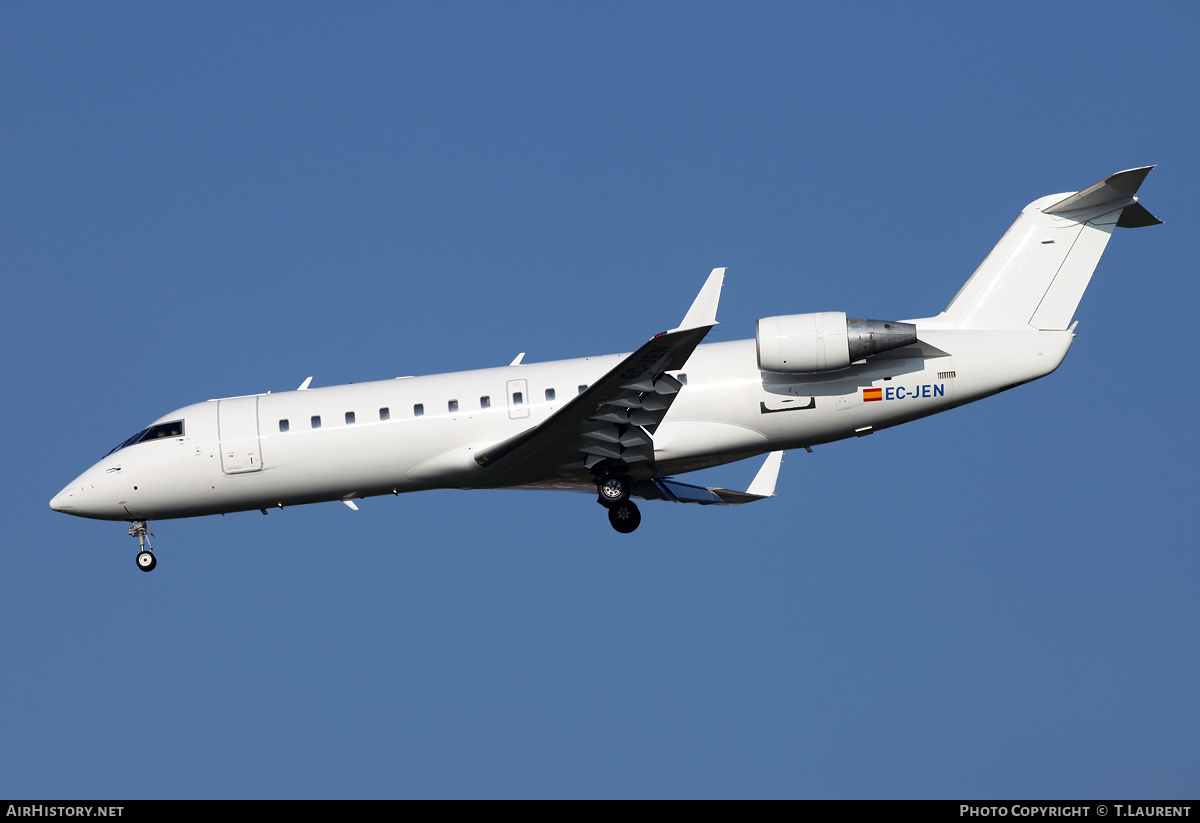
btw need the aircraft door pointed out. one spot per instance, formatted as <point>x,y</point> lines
<point>518,399</point>
<point>237,428</point>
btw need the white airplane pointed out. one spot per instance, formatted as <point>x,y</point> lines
<point>624,424</point>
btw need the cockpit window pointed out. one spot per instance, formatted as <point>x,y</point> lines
<point>159,431</point>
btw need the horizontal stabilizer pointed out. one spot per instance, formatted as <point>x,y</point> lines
<point>1117,187</point>
<point>1136,217</point>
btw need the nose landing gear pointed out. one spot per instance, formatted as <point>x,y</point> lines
<point>145,559</point>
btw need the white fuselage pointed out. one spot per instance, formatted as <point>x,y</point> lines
<point>416,433</point>
<point>621,425</point>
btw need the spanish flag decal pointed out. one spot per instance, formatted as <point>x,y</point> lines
<point>872,394</point>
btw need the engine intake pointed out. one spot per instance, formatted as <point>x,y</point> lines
<point>824,341</point>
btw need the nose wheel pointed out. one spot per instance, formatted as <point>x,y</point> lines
<point>146,560</point>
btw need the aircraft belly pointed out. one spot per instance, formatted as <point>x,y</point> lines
<point>455,467</point>
<point>682,441</point>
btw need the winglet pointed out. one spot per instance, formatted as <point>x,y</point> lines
<point>704,308</point>
<point>763,484</point>
<point>304,385</point>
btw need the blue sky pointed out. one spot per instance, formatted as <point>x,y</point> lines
<point>218,200</point>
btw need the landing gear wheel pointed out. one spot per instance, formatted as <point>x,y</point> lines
<point>624,516</point>
<point>612,490</point>
<point>141,530</point>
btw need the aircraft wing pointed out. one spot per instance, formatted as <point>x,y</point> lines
<point>667,488</point>
<point>614,419</point>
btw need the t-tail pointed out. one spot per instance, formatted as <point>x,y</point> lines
<point>1037,273</point>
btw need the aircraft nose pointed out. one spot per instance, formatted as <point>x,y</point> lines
<point>74,499</point>
<point>64,501</point>
<point>92,494</point>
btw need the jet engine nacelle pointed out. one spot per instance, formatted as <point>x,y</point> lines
<point>824,341</point>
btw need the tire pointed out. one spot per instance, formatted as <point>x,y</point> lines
<point>624,516</point>
<point>612,490</point>
<point>146,561</point>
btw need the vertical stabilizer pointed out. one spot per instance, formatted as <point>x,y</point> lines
<point>1037,273</point>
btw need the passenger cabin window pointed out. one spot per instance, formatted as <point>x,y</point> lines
<point>485,402</point>
<point>349,418</point>
<point>452,405</point>
<point>316,421</point>
<point>583,388</point>
<point>518,398</point>
<point>683,379</point>
<point>418,409</point>
<point>549,394</point>
<point>384,413</point>
<point>283,425</point>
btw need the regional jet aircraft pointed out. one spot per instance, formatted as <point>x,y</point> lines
<point>624,425</point>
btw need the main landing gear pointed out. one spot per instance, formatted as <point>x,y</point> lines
<point>624,516</point>
<point>613,493</point>
<point>145,559</point>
